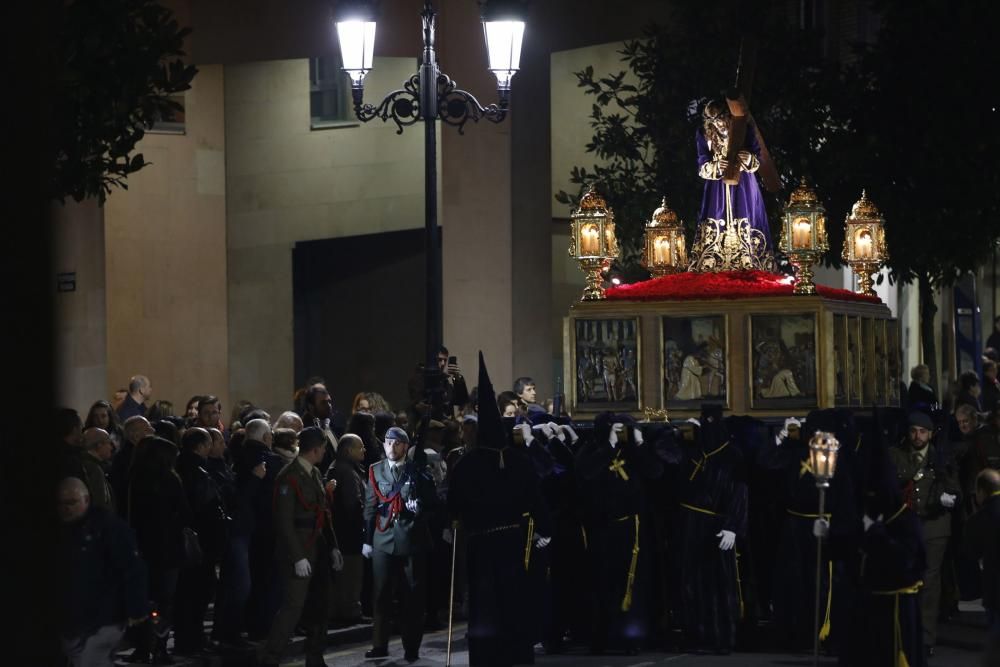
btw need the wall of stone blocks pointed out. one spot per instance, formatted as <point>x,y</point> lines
<point>165,250</point>
<point>288,183</point>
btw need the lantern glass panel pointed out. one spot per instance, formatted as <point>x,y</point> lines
<point>863,245</point>
<point>357,47</point>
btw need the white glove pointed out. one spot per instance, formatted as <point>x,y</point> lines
<point>302,568</point>
<point>948,500</point>
<point>821,527</point>
<point>546,431</point>
<point>573,437</point>
<point>413,505</point>
<point>525,429</point>
<point>728,539</point>
<point>638,436</point>
<point>336,560</point>
<point>616,428</point>
<point>447,535</point>
<point>556,432</point>
<point>366,550</point>
<point>783,433</point>
<point>542,542</point>
<point>867,521</point>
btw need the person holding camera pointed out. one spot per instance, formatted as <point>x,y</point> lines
<point>456,393</point>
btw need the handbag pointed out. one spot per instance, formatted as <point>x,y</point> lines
<point>192,548</point>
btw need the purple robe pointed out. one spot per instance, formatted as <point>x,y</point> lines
<point>738,238</point>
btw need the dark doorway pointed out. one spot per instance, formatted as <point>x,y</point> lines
<point>359,314</point>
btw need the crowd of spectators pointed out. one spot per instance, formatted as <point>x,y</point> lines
<point>167,517</point>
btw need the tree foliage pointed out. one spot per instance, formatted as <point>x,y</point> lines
<point>644,132</point>
<point>121,60</point>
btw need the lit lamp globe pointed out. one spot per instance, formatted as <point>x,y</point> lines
<point>592,241</point>
<point>664,249</point>
<point>864,242</point>
<point>823,448</point>
<point>803,235</point>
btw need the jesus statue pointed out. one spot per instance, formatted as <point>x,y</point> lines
<point>733,232</point>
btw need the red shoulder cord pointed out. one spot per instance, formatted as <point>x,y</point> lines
<point>395,502</point>
<point>908,497</point>
<point>317,508</point>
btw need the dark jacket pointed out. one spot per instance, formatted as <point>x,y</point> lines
<point>120,465</point>
<point>920,394</point>
<point>105,580</point>
<point>252,513</point>
<point>158,513</point>
<point>982,541</point>
<point>225,478</point>
<point>348,505</point>
<point>131,408</point>
<point>208,517</point>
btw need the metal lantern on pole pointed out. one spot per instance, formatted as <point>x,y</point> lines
<point>864,242</point>
<point>593,242</point>
<point>823,448</point>
<point>664,249</point>
<point>430,95</point>
<point>803,235</point>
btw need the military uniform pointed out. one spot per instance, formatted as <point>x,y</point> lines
<point>400,540</point>
<point>923,477</point>
<point>303,530</point>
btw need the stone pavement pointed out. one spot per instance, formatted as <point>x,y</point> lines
<point>960,645</point>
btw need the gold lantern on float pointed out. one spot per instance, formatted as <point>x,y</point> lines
<point>593,242</point>
<point>864,242</point>
<point>664,250</point>
<point>803,235</point>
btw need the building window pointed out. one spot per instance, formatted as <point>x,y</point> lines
<point>330,103</point>
<point>174,124</point>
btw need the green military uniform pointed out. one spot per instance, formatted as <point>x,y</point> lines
<point>302,530</point>
<point>96,481</point>
<point>400,540</point>
<point>924,476</point>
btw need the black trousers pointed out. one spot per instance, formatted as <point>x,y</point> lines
<point>406,575</point>
<point>195,589</point>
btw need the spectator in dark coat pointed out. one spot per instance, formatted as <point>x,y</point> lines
<point>157,510</point>
<point>135,429</point>
<point>349,526</point>
<point>969,390</point>
<point>105,580</point>
<point>920,395</point>
<point>196,584</point>
<point>254,522</point>
<point>982,540</point>
<point>990,396</point>
<point>139,391</point>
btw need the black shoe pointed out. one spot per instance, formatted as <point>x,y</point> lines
<point>411,656</point>
<point>375,652</point>
<point>162,658</point>
<point>316,661</point>
<point>139,655</point>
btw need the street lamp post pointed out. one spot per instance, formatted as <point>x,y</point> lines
<point>428,96</point>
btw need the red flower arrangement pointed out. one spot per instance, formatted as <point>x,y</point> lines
<point>724,285</point>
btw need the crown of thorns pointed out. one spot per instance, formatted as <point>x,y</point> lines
<point>714,109</point>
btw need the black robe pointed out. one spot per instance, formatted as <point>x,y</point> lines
<point>612,515</point>
<point>795,565</point>
<point>890,557</point>
<point>712,493</point>
<point>489,491</point>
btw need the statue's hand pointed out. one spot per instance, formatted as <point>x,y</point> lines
<point>723,164</point>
